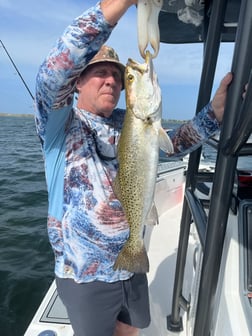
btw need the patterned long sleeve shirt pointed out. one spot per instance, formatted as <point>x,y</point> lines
<point>86,223</point>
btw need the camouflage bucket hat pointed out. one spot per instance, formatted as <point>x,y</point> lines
<point>107,54</point>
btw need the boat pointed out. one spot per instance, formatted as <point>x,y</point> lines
<point>200,279</point>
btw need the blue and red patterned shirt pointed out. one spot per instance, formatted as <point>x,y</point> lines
<point>86,223</point>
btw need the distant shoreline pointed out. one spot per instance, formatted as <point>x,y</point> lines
<point>15,115</point>
<point>171,121</point>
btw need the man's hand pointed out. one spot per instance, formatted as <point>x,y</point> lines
<point>219,99</point>
<point>113,10</point>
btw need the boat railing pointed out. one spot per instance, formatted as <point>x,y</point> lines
<point>211,226</point>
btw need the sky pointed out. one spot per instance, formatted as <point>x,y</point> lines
<point>29,29</point>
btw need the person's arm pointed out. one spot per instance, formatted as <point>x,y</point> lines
<point>205,124</point>
<point>57,75</point>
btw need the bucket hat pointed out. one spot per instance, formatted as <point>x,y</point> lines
<point>107,54</point>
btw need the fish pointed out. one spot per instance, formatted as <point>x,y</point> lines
<point>138,153</point>
<point>147,25</point>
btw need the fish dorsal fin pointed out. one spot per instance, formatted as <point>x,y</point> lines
<point>165,143</point>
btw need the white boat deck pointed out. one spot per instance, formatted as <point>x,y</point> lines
<point>161,242</point>
<point>232,310</point>
<point>162,255</point>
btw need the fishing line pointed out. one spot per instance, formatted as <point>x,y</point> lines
<point>26,86</point>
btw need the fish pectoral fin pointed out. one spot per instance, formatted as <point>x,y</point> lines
<point>152,218</point>
<point>165,142</point>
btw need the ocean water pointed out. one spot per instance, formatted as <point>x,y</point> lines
<point>26,258</point>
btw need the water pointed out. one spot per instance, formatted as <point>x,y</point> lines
<point>26,258</point>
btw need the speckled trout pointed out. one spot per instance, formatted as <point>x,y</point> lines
<point>138,153</point>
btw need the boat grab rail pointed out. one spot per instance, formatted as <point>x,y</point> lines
<point>224,171</point>
<point>198,214</point>
<point>213,29</point>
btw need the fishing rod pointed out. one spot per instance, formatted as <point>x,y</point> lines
<point>27,88</point>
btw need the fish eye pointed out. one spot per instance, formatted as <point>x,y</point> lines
<point>130,77</point>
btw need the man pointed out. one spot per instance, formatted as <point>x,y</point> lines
<point>86,223</point>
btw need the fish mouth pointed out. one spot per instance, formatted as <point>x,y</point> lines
<point>146,67</point>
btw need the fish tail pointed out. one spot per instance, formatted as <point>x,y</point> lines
<point>135,262</point>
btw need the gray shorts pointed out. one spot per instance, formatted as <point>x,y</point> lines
<point>94,307</point>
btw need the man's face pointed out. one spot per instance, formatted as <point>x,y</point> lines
<point>99,88</point>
